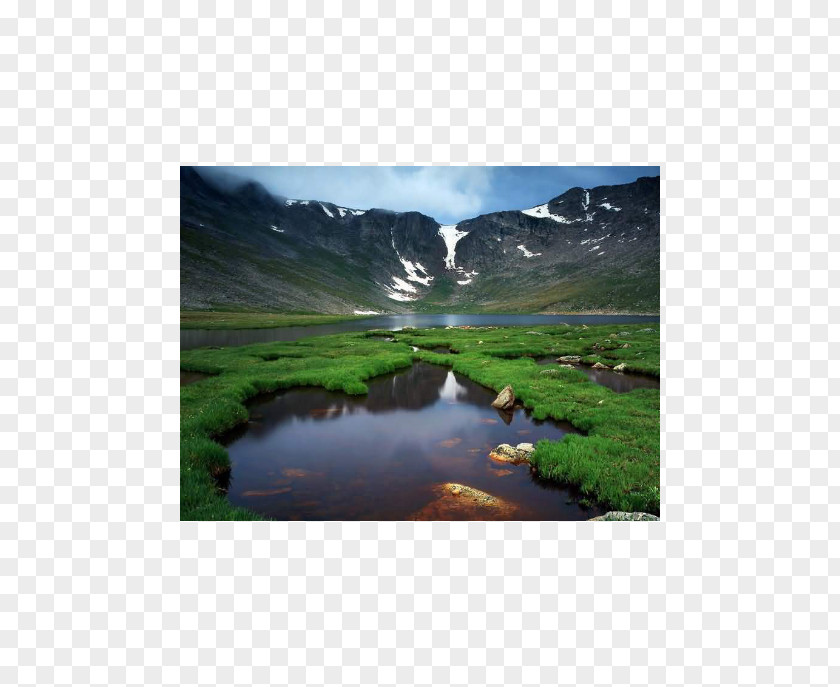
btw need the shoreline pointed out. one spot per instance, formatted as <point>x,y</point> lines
<point>233,320</point>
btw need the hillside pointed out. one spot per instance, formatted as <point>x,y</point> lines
<point>585,250</point>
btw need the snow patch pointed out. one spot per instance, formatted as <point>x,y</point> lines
<point>410,267</point>
<point>296,202</point>
<point>344,211</point>
<point>411,271</point>
<point>451,236</point>
<point>499,240</point>
<point>601,253</point>
<point>395,296</point>
<point>402,285</point>
<point>279,231</point>
<point>466,281</point>
<point>585,199</point>
<point>595,248</point>
<point>541,212</point>
<point>607,206</point>
<point>400,290</point>
<point>365,312</point>
<point>528,254</point>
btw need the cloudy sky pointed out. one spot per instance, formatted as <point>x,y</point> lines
<point>449,194</point>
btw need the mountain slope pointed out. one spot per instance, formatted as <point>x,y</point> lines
<point>587,249</point>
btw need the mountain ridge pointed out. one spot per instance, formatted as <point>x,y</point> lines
<point>583,250</point>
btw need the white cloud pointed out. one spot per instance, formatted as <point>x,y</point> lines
<point>449,194</point>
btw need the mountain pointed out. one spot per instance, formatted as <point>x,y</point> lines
<point>585,250</point>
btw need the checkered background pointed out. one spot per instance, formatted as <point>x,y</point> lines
<point>101,103</point>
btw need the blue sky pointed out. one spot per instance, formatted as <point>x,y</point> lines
<point>449,194</point>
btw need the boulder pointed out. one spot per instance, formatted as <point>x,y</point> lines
<point>617,515</point>
<point>626,346</point>
<point>505,399</point>
<point>600,366</point>
<point>505,453</point>
<point>568,359</point>
<point>620,368</point>
<point>461,502</point>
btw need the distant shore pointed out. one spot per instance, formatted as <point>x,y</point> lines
<point>223,319</point>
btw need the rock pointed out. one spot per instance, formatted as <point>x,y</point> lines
<point>617,515</point>
<point>505,453</point>
<point>626,346</point>
<point>552,372</point>
<point>461,502</point>
<point>647,330</point>
<point>600,366</point>
<point>571,367</point>
<point>568,359</point>
<point>480,342</point>
<point>537,333</point>
<point>620,368</point>
<point>624,333</point>
<point>583,326</point>
<point>505,399</point>
<point>614,335</point>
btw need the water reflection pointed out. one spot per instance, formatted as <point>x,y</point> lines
<point>620,382</point>
<point>315,454</point>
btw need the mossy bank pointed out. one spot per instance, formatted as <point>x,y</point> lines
<point>615,462</point>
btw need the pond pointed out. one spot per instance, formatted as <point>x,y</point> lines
<point>620,382</point>
<point>312,454</point>
<point>188,377</point>
<point>196,338</point>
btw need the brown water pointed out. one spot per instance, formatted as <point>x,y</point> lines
<point>312,454</point>
<point>195,338</point>
<point>192,377</point>
<point>620,382</point>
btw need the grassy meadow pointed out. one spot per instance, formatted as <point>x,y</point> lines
<point>615,462</point>
<point>242,319</point>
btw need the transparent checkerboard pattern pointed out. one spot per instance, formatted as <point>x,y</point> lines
<point>101,103</point>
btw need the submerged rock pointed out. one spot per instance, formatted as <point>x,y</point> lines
<point>505,399</point>
<point>505,453</point>
<point>568,359</point>
<point>461,502</point>
<point>617,515</point>
<point>620,368</point>
<point>600,366</point>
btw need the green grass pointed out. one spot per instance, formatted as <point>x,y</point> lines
<point>615,464</point>
<point>242,319</point>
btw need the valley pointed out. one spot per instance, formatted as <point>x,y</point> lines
<point>586,250</point>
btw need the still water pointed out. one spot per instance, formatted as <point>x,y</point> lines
<point>312,454</point>
<point>195,338</point>
<point>620,382</point>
